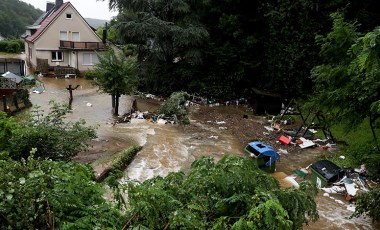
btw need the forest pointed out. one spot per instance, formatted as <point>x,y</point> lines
<point>15,15</point>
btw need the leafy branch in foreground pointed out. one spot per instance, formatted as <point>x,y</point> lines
<point>44,194</point>
<point>229,194</point>
<point>52,136</point>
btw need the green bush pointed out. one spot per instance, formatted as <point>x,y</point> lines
<point>44,194</point>
<point>12,46</point>
<point>175,105</point>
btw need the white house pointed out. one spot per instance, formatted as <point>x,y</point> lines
<point>61,38</point>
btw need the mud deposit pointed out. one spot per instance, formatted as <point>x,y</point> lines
<point>214,131</point>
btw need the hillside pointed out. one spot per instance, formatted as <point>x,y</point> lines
<point>15,15</point>
<point>96,23</point>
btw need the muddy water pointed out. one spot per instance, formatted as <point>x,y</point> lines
<point>168,148</point>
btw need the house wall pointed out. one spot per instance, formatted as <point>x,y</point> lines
<point>49,41</point>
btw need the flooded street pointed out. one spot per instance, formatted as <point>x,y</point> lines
<point>169,148</point>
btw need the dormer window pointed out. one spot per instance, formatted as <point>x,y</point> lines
<point>68,16</point>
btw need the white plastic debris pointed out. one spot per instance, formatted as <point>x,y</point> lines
<point>220,122</point>
<point>306,143</point>
<point>214,137</point>
<point>283,151</point>
<point>223,128</point>
<point>326,194</point>
<point>162,121</point>
<point>339,201</point>
<point>89,104</point>
<point>268,128</point>
<point>333,190</point>
<point>342,157</point>
<point>292,181</point>
<point>313,130</point>
<point>350,187</point>
<point>351,208</point>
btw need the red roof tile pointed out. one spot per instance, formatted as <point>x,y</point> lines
<point>46,22</point>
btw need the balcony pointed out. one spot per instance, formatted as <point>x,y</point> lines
<point>81,45</point>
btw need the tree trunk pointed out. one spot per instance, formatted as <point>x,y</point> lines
<point>116,108</point>
<point>113,100</point>
<point>372,119</point>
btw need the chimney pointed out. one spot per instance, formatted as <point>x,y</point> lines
<point>49,6</point>
<point>58,3</point>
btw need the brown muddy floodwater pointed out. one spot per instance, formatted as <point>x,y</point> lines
<point>168,148</point>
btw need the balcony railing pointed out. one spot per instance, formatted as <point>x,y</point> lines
<point>82,45</point>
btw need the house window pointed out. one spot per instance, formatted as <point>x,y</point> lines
<point>90,59</point>
<point>56,56</point>
<point>63,35</point>
<point>75,36</point>
<point>68,16</point>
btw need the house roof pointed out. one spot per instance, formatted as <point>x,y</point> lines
<point>45,20</point>
<point>13,77</point>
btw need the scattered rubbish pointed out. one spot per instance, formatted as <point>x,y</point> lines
<point>220,122</point>
<point>223,128</point>
<point>38,90</point>
<point>313,131</point>
<point>334,189</point>
<point>268,128</point>
<point>283,151</point>
<point>284,140</point>
<point>306,143</point>
<point>162,121</point>
<point>89,104</point>
<point>339,202</point>
<point>214,137</point>
<point>285,180</point>
<point>342,157</point>
<point>351,208</point>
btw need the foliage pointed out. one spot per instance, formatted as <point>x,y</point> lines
<point>368,204</point>
<point>7,126</point>
<point>169,41</point>
<point>53,137</point>
<point>343,85</point>
<point>229,194</point>
<point>175,105</point>
<point>125,158</point>
<point>15,16</point>
<point>12,46</point>
<point>44,194</point>
<point>348,86</point>
<point>115,74</point>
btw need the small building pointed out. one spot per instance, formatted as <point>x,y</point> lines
<point>11,87</point>
<point>61,42</point>
<point>14,65</point>
<point>14,78</point>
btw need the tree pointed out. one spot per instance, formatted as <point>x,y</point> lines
<point>115,75</point>
<point>348,83</point>
<point>168,37</point>
<point>229,194</point>
<point>15,16</point>
<point>348,87</point>
<point>44,194</point>
<point>53,138</point>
